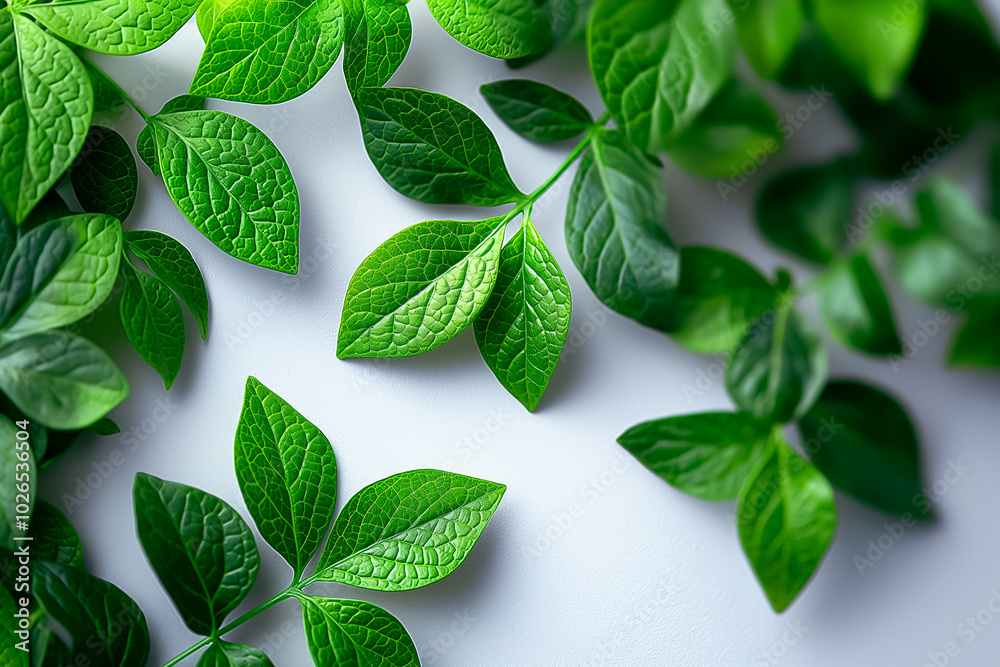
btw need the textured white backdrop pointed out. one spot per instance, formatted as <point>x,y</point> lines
<point>642,575</point>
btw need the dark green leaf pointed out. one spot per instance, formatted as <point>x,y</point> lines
<point>48,649</point>
<point>107,96</point>
<point>378,37</point>
<point>153,322</point>
<point>60,380</point>
<point>104,176</point>
<point>615,234</point>
<point>224,654</point>
<point>855,308</point>
<point>420,289</point>
<point>106,626</point>
<point>8,238</point>
<point>408,531</point>
<point>287,473</point>
<point>352,633</point>
<point>10,654</point>
<point>977,342</point>
<point>200,548</point>
<point>498,28</point>
<point>55,539</point>
<point>786,518</point>
<point>18,464</point>
<point>523,327</point>
<point>863,441</point>
<point>536,111</point>
<point>173,264</point>
<point>768,31</point>
<point>779,369</point>
<point>705,455</point>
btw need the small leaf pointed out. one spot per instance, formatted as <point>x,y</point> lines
<point>523,327</point>
<point>54,538</point>
<point>19,467</point>
<point>536,111</point>
<point>172,263</point>
<point>266,52</point>
<point>857,311</point>
<point>976,343</point>
<point>779,369</point>
<point>863,441</point>
<point>786,519</point>
<point>420,289</point>
<point>60,380</point>
<point>498,28</point>
<point>705,455</point>
<point>433,149</point>
<point>145,146</point>
<point>378,37</point>
<point>408,531</point>
<point>768,31</point>
<point>287,474</point>
<point>105,179</point>
<point>183,103</point>
<point>615,235</point>
<point>201,550</point>
<point>353,633</point>
<point>153,322</point>
<point>231,182</point>
<point>106,626</point>
<point>224,654</point>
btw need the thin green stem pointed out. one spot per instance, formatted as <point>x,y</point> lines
<point>128,98</point>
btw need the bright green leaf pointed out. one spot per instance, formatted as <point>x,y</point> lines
<point>353,633</point>
<point>208,12</point>
<point>172,263</point>
<point>18,465</point>
<point>224,654</point>
<point>104,175</point>
<point>857,311</point>
<point>153,322</point>
<point>768,31</point>
<point>498,28</point>
<point>536,111</point>
<point>378,37</point>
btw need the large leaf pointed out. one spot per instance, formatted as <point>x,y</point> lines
<point>54,538</point>
<point>231,182</point>
<point>353,633</point>
<point>863,441</point>
<point>658,63</point>
<point>45,108</point>
<point>523,327</point>
<point>408,530</point>
<point>104,175</point>
<point>202,551</point>
<point>855,308</point>
<point>287,473</point>
<point>119,27</point>
<point>106,626</point>
<point>498,28</point>
<point>706,455</point>
<point>173,264</point>
<point>536,111</point>
<point>768,31</point>
<point>19,466</point>
<point>224,654</point>
<point>420,289</point>
<point>779,368</point>
<point>10,654</point>
<point>433,149</point>
<point>615,234</point>
<point>60,271</point>
<point>786,519</point>
<point>153,322</point>
<point>266,51</point>
<point>60,380</point>
<point>378,37</point>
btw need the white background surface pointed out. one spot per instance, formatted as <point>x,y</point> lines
<point>644,575</point>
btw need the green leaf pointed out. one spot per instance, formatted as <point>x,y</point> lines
<point>107,627</point>
<point>8,238</point>
<point>45,110</point>
<point>287,473</point>
<point>536,111</point>
<point>855,308</point>
<point>498,28</point>
<point>207,14</point>
<point>48,649</point>
<point>60,380</point>
<point>408,531</point>
<point>19,467</point>
<point>172,263</point>
<point>805,211</point>
<point>433,149</point>
<point>705,455</point>
<point>420,289</point>
<point>614,231</point>
<point>523,327</point>
<point>779,369</point>
<point>976,343</point>
<point>60,272</point>
<point>224,654</point>
<point>863,441</point>
<point>378,37</point>
<point>10,655</point>
<point>104,175</point>
<point>735,134</point>
<point>107,95</point>
<point>786,519</point>
<point>145,146</point>
<point>719,296</point>
<point>55,539</point>
<point>118,27</point>
<point>768,32</point>
<point>875,38</point>
<point>199,547</point>
<point>567,24</point>
<point>153,322</point>
<point>183,103</point>
<point>266,52</point>
<point>353,633</point>
<point>231,182</point>
<point>658,63</point>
